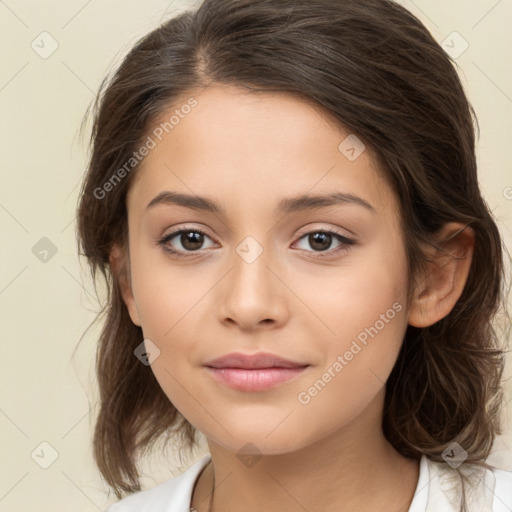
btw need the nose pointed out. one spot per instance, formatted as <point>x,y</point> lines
<point>252,295</point>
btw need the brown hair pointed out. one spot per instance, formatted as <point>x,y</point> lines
<point>378,70</point>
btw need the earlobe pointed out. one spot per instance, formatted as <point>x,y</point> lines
<point>120,270</point>
<point>448,268</point>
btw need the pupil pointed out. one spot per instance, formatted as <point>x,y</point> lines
<point>318,238</point>
<point>190,238</point>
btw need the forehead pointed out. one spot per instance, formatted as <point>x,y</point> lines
<point>253,149</point>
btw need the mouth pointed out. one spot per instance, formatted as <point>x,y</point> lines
<point>256,372</point>
<point>262,360</point>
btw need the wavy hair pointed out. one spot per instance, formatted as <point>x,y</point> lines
<point>377,69</point>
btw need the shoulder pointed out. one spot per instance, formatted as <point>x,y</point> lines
<point>170,496</point>
<point>486,489</point>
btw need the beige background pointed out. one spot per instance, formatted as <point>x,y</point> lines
<point>46,395</point>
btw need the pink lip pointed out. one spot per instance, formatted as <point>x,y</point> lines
<point>253,361</point>
<point>260,379</point>
<point>257,372</point>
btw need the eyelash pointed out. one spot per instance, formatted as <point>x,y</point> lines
<point>345,242</point>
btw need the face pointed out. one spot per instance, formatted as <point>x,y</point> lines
<point>320,284</point>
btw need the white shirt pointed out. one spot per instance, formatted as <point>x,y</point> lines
<point>438,490</point>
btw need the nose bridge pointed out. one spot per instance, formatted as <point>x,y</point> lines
<point>250,274</point>
<point>252,293</point>
<point>252,250</point>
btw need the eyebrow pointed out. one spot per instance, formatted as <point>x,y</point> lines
<point>285,206</point>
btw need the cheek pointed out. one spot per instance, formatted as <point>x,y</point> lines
<point>169,302</point>
<point>365,310</point>
<point>357,360</point>
<point>352,298</point>
<point>165,295</point>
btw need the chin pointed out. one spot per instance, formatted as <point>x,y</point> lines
<point>256,441</point>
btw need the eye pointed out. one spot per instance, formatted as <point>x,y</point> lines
<point>321,240</point>
<point>190,240</point>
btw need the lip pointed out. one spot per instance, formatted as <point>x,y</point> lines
<point>256,372</point>
<point>253,361</point>
<point>261,379</point>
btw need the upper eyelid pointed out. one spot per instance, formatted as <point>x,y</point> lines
<point>302,231</point>
<point>300,236</point>
<point>185,230</point>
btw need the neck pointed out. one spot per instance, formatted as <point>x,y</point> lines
<point>354,468</point>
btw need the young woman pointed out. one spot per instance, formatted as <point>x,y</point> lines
<point>282,197</point>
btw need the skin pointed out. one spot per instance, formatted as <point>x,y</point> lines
<point>248,152</point>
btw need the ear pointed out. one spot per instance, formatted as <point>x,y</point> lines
<point>120,267</point>
<point>448,268</point>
